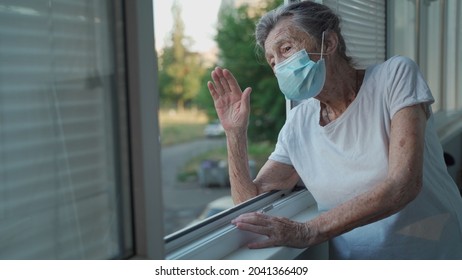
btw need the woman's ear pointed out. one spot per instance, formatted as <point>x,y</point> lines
<point>330,42</point>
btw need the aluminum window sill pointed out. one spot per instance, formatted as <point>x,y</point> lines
<point>283,253</point>
<point>217,238</point>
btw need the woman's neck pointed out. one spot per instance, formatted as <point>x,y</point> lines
<point>340,89</point>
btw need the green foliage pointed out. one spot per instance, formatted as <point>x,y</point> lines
<point>183,79</point>
<point>236,41</point>
<point>258,152</point>
<point>204,101</point>
<point>172,134</point>
<point>181,71</point>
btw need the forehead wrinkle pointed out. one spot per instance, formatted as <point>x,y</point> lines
<point>278,40</point>
<point>275,45</point>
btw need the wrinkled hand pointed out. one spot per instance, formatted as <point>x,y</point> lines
<point>232,105</point>
<point>280,231</point>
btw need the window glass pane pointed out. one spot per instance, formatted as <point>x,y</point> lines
<point>59,173</point>
<point>402,30</point>
<point>420,37</point>
<point>453,55</point>
<point>458,90</point>
<point>431,62</point>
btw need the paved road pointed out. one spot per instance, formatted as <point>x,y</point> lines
<point>185,201</point>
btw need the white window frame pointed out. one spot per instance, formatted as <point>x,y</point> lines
<point>143,97</point>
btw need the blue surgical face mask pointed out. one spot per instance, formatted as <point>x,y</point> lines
<point>299,77</point>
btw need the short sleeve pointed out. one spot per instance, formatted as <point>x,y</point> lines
<point>406,86</point>
<point>280,153</point>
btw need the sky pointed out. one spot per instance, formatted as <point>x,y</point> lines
<point>199,16</point>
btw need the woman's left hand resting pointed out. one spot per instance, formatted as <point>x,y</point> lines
<point>280,231</point>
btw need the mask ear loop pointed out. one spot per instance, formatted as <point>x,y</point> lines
<point>322,46</point>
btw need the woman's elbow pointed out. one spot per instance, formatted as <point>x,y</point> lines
<point>408,191</point>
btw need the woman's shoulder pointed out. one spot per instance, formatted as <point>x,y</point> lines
<point>396,67</point>
<point>400,59</point>
<point>397,63</point>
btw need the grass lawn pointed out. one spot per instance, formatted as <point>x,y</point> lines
<point>180,127</point>
<point>258,152</point>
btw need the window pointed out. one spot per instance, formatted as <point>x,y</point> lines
<point>403,37</point>
<point>195,181</point>
<point>431,47</point>
<point>64,188</point>
<point>190,178</point>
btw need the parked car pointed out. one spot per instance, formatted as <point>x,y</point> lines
<point>214,207</point>
<point>213,173</point>
<point>214,129</point>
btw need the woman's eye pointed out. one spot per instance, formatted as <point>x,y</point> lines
<point>286,49</point>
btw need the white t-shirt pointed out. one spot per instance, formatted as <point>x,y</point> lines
<point>349,156</point>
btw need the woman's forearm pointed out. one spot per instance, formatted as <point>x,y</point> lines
<point>242,186</point>
<point>386,199</point>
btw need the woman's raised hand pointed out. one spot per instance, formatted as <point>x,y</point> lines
<point>232,104</point>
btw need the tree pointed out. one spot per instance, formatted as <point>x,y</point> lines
<point>181,71</point>
<point>237,52</point>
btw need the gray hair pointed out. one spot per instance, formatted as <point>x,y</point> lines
<point>311,17</point>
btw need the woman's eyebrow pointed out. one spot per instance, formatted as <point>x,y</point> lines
<point>277,44</point>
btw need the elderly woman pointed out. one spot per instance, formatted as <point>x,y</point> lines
<point>363,143</point>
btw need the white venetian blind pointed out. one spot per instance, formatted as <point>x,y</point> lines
<point>57,172</point>
<point>363,27</point>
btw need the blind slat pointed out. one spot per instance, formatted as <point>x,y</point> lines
<point>57,168</point>
<point>363,27</point>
